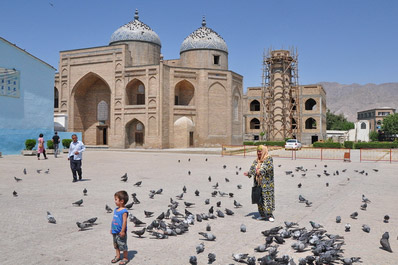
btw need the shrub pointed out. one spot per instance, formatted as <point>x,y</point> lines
<point>376,145</point>
<point>66,142</point>
<point>270,143</point>
<point>50,144</point>
<point>30,143</point>
<point>327,145</point>
<point>373,136</point>
<point>349,144</point>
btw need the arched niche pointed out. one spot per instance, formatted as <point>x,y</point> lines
<point>255,105</point>
<point>135,93</point>
<point>184,93</point>
<point>310,123</point>
<point>183,133</point>
<point>254,124</point>
<point>310,104</point>
<point>135,134</point>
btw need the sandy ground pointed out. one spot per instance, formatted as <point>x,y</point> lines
<point>27,237</point>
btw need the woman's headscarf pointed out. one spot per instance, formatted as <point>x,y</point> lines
<point>264,153</point>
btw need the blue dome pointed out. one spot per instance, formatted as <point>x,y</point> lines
<point>204,38</point>
<point>135,31</point>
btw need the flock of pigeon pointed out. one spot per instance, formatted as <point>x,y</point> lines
<point>326,248</point>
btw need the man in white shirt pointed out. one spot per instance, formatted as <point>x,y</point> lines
<point>75,157</point>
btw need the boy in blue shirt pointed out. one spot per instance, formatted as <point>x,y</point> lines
<point>119,227</point>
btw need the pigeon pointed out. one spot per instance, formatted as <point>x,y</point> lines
<point>315,225</point>
<point>327,184</point>
<point>189,172</point>
<point>136,221</point>
<point>180,196</point>
<point>350,261</point>
<point>338,219</point>
<point>290,224</point>
<point>220,214</point>
<point>179,160</point>
<point>85,192</point>
<point>128,206</point>
<point>161,216</point>
<point>108,209</point>
<point>237,172</point>
<point>208,228</point>
<point>193,260</point>
<point>231,195</point>
<point>347,227</point>
<point>159,235</point>
<point>78,203</point>
<point>299,185</point>
<point>51,218</point>
<point>211,258</point>
<point>222,194</point>
<point>83,226</point>
<point>91,220</point>
<point>301,198</point>
<point>209,178</point>
<point>224,166</point>
<point>215,186</point>
<point>206,159</point>
<point>279,239</point>
<point>385,244</point>
<point>148,214</point>
<point>135,200</point>
<point>17,179</point>
<point>138,183</point>
<point>198,217</point>
<point>15,194</point>
<point>364,199</point>
<point>239,257</point>
<point>218,204</point>
<point>239,186</point>
<point>237,204</point>
<point>207,201</point>
<point>139,233</point>
<point>184,189</point>
<point>214,193</point>
<point>187,213</point>
<point>151,195</point>
<point>188,204</point>
<point>354,215</point>
<point>375,170</point>
<point>38,171</point>
<point>229,212</point>
<point>167,214</point>
<point>196,192</point>
<point>24,171</point>
<point>299,246</point>
<point>366,228</point>
<point>364,206</point>
<point>208,236</point>
<point>386,218</point>
<point>189,159</point>
<point>308,203</point>
<point>261,248</point>
<point>47,171</point>
<point>226,180</point>
<point>211,210</point>
<point>200,248</point>
<point>124,178</point>
<point>243,228</point>
<point>159,191</point>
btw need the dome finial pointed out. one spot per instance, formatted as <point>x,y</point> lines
<point>203,21</point>
<point>136,17</point>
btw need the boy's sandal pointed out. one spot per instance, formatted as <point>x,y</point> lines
<point>115,260</point>
<point>124,262</point>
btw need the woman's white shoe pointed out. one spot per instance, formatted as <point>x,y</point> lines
<point>271,219</point>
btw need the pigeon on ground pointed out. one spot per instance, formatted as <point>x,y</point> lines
<point>179,160</point>
<point>237,204</point>
<point>51,218</point>
<point>108,209</point>
<point>385,244</point>
<point>189,172</point>
<point>218,204</point>
<point>15,194</point>
<point>136,221</point>
<point>128,206</point>
<point>364,206</point>
<point>135,200</point>
<point>47,171</point>
<point>350,261</point>
<point>239,257</point>
<point>215,186</point>
<point>261,248</point>
<point>354,215</point>
<point>208,228</point>
<point>207,201</point>
<point>239,186</point>
<point>222,194</point>
<point>301,198</point>
<point>299,246</point>
<point>85,192</point>
<point>200,248</point>
<point>214,193</point>
<point>224,166</point>
<point>220,214</point>
<point>188,204</point>
<point>211,258</point>
<point>180,196</point>
<point>308,203</point>
<point>211,210</point>
<point>159,191</point>
<point>206,159</point>
<point>228,211</point>
<point>193,260</point>
<point>189,159</point>
<point>83,226</point>
<point>347,227</point>
<point>161,216</point>
<point>159,235</point>
<point>231,195</point>
<point>386,218</point>
<point>299,185</point>
<point>17,179</point>
<point>243,228</point>
<point>148,214</point>
<point>338,219</point>
<point>290,224</point>
<point>24,171</point>
<point>365,199</point>
<point>39,170</point>
<point>366,228</point>
<point>78,203</point>
<point>208,236</point>
<point>184,189</point>
<point>315,225</point>
<point>226,180</point>
<point>124,177</point>
<point>138,183</point>
<point>197,193</point>
<point>139,233</point>
<point>327,184</point>
<point>209,178</point>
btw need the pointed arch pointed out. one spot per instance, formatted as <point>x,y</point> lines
<point>183,132</point>
<point>135,133</point>
<point>217,100</point>
<point>56,98</point>
<point>255,105</point>
<point>184,93</point>
<point>310,123</point>
<point>135,92</point>
<point>152,86</point>
<point>152,126</point>
<point>310,104</point>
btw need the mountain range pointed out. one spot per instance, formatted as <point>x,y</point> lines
<point>349,99</point>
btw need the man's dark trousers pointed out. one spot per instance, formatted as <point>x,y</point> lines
<point>76,166</point>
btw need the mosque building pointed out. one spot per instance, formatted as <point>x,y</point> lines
<point>125,95</point>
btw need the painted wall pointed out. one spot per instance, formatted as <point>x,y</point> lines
<point>33,112</point>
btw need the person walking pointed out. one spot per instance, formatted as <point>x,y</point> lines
<point>55,140</point>
<point>40,147</point>
<point>75,156</point>
<point>262,170</point>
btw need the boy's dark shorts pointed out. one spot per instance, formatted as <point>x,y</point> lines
<point>120,242</point>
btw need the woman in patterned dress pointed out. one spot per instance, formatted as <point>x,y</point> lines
<point>262,170</point>
<point>40,147</point>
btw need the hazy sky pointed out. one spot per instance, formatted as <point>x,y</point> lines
<point>345,41</point>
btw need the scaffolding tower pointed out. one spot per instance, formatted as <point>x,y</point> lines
<point>280,117</point>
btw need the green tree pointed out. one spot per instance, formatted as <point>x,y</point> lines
<point>337,122</point>
<point>390,124</point>
<point>373,136</point>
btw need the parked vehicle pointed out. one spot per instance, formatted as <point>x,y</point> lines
<point>293,144</point>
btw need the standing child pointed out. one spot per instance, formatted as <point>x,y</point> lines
<point>119,227</point>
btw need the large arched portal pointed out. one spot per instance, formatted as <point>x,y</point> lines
<point>93,121</point>
<point>135,134</point>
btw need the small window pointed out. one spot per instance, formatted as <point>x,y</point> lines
<point>363,125</point>
<point>216,59</point>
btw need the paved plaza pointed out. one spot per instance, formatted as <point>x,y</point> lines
<point>27,237</point>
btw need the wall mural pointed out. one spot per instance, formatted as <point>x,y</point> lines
<point>9,82</point>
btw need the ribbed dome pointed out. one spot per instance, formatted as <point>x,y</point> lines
<point>135,31</point>
<point>204,38</point>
